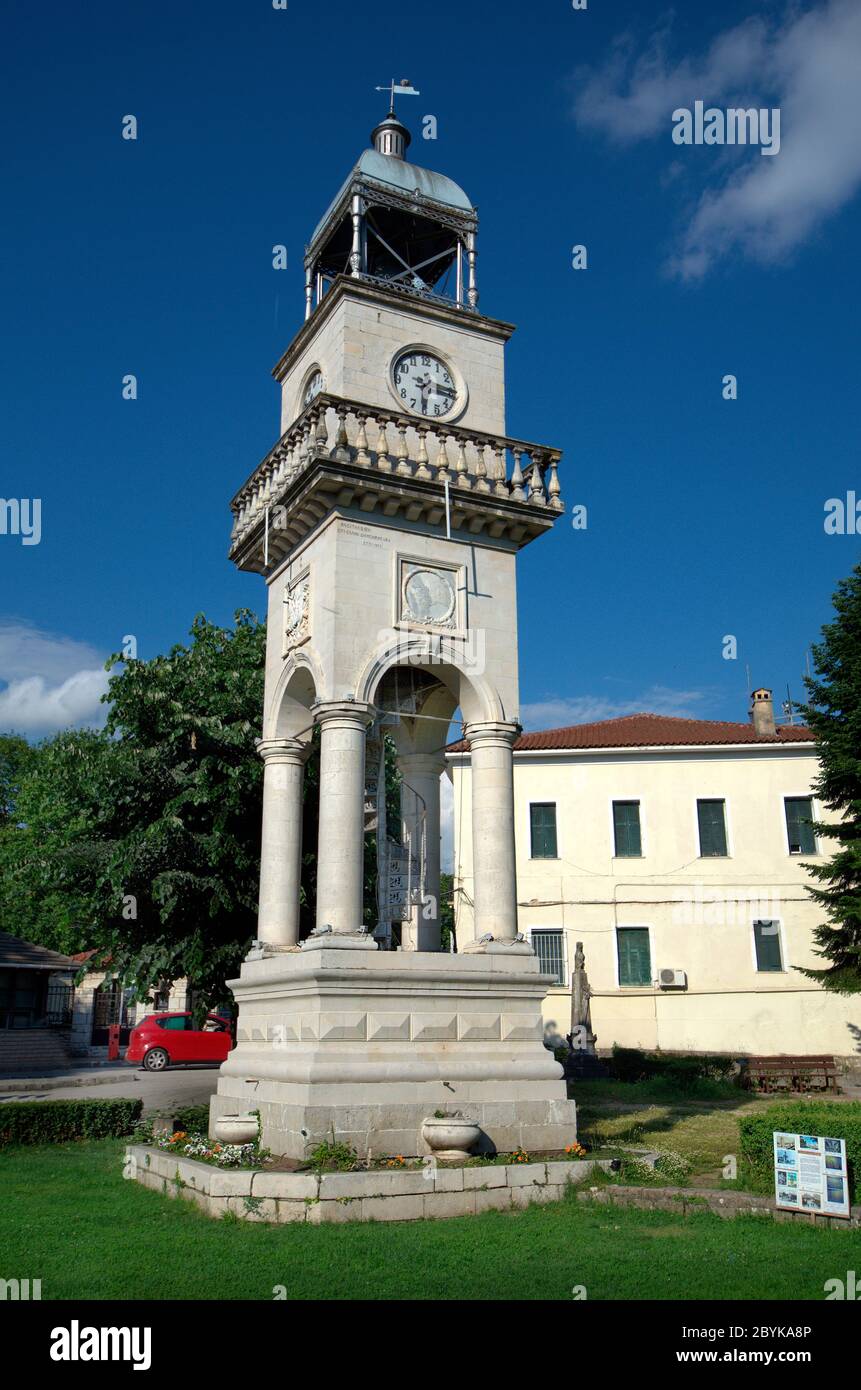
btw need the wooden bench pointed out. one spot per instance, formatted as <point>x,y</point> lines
<point>770,1074</point>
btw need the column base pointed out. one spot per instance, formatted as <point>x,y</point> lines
<point>514,947</point>
<point>340,941</point>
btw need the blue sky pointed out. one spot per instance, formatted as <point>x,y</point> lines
<point>153,257</point>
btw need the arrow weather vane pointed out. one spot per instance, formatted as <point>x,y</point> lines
<point>402,88</point>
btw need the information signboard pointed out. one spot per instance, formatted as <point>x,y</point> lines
<point>810,1174</point>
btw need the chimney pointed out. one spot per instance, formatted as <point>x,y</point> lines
<point>762,713</point>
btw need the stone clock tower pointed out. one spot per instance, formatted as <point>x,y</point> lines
<point>386,522</point>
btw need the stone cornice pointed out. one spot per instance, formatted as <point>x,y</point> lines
<point>346,287</point>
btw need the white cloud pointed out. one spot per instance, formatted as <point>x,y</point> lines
<point>51,682</point>
<point>807,65</point>
<point>556,713</point>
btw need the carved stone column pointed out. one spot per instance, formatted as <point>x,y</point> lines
<point>495,883</point>
<point>340,848</point>
<point>420,816</point>
<point>281,843</point>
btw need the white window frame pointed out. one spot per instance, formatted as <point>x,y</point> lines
<point>814,815</point>
<point>727,821</point>
<point>634,926</point>
<point>641,803</point>
<point>564,984</point>
<point>781,936</point>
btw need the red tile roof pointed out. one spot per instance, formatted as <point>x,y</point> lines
<point>652,731</point>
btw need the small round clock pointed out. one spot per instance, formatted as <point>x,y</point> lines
<point>313,387</point>
<point>424,383</point>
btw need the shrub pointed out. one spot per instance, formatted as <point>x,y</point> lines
<point>194,1119</point>
<point>332,1157</point>
<point>837,1120</point>
<point>56,1121</point>
<point>631,1065</point>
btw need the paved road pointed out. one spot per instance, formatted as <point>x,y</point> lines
<point>181,1086</point>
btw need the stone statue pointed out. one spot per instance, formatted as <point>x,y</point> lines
<point>581,1038</point>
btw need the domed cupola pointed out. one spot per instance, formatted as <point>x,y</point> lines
<point>396,223</point>
<point>390,137</point>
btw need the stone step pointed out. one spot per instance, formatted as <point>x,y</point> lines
<point>31,1050</point>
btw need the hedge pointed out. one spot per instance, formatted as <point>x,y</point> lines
<point>630,1064</point>
<point>836,1120</point>
<point>55,1121</point>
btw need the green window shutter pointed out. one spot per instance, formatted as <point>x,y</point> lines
<point>542,820</point>
<point>766,937</point>
<point>799,813</point>
<point>712,823</point>
<point>635,960</point>
<point>626,828</point>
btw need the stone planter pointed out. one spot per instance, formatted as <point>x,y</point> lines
<point>235,1129</point>
<point>450,1136</point>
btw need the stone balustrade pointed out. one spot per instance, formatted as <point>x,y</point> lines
<point>388,443</point>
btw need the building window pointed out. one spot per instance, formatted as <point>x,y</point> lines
<point>799,831</point>
<point>626,829</point>
<point>711,818</point>
<point>635,957</point>
<point>766,941</point>
<point>549,946</point>
<point>542,826</point>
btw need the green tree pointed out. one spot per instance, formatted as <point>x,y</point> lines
<point>143,840</point>
<point>833,713</point>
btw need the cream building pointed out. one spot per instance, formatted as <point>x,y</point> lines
<point>674,850</point>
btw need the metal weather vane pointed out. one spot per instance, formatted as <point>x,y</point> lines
<point>403,88</point>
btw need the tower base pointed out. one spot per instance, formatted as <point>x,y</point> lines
<point>360,1047</point>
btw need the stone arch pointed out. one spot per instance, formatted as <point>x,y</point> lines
<point>298,686</point>
<point>441,657</point>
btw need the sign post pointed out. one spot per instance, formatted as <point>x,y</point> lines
<point>811,1174</point>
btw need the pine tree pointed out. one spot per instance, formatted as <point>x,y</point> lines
<point>834,715</point>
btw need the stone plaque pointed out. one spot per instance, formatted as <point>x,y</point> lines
<point>428,596</point>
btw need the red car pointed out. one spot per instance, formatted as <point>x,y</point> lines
<point>163,1039</point>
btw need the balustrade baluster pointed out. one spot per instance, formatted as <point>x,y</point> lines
<point>518,493</point>
<point>481,484</point>
<point>321,431</point>
<point>404,468</point>
<point>500,484</point>
<point>340,451</point>
<point>536,482</point>
<point>422,470</point>
<point>384,463</point>
<point>362,455</point>
<point>462,477</point>
<point>553,487</point>
<point>441,458</point>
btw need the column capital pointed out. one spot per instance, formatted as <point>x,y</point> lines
<point>346,713</point>
<point>421,764</point>
<point>490,732</point>
<point>283,750</point>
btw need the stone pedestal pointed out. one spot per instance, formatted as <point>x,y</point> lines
<point>362,1045</point>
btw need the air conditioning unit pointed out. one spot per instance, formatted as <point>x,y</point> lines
<point>672,979</point>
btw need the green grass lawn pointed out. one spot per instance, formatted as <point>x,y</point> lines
<point>69,1218</point>
<point>702,1127</point>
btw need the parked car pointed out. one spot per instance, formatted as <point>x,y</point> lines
<point>162,1040</point>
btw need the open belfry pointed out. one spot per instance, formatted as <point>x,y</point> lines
<point>386,522</point>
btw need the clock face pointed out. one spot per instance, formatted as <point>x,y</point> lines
<point>313,388</point>
<point>429,596</point>
<point>424,383</point>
